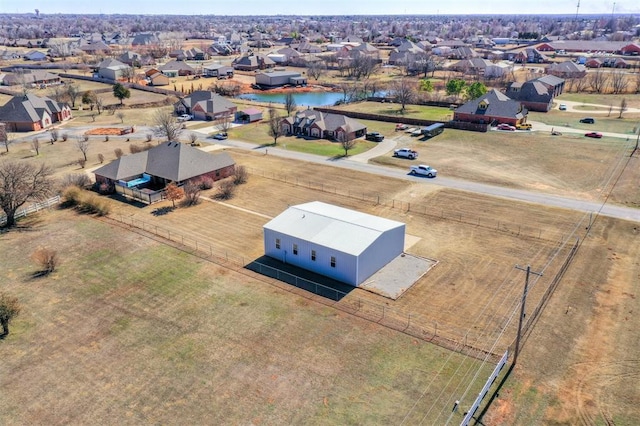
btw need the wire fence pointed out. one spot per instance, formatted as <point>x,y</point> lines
<point>424,209</point>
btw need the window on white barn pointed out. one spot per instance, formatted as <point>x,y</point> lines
<point>333,261</point>
<point>295,249</point>
<point>313,255</point>
<point>278,243</point>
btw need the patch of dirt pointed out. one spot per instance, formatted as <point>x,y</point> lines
<point>107,131</point>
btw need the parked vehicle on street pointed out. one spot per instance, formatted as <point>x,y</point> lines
<point>523,126</point>
<point>374,136</point>
<point>588,120</point>
<point>593,135</point>
<point>405,153</point>
<point>505,126</point>
<point>417,132</point>
<point>423,170</point>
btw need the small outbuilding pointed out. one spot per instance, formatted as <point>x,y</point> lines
<point>339,243</point>
<point>249,115</point>
<point>280,78</point>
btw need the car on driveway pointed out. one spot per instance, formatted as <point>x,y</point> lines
<point>593,135</point>
<point>185,117</point>
<point>505,126</point>
<point>562,107</point>
<point>401,126</point>
<point>405,153</point>
<point>220,136</point>
<point>587,120</point>
<point>423,170</point>
<point>374,136</point>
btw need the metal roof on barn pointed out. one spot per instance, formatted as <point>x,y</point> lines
<point>330,226</point>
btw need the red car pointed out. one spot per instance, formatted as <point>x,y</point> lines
<point>593,135</point>
<point>505,126</point>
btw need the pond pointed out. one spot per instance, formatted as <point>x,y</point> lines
<point>303,99</point>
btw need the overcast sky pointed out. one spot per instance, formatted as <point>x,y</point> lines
<point>319,7</point>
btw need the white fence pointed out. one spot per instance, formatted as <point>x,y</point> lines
<point>32,209</point>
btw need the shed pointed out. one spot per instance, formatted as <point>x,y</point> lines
<point>249,115</point>
<point>280,78</point>
<point>339,243</point>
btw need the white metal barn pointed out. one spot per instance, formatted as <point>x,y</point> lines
<point>339,243</point>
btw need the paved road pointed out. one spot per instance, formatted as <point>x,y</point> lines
<point>357,163</point>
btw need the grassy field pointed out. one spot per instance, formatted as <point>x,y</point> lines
<point>422,112</point>
<point>131,331</point>
<point>625,125</point>
<point>633,101</point>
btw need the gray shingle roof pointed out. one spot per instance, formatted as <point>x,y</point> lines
<point>28,108</point>
<point>499,105</point>
<point>173,161</point>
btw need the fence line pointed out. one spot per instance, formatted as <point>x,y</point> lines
<point>519,230</point>
<point>32,208</point>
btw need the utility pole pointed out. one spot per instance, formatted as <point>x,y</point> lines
<point>637,139</point>
<point>524,300</point>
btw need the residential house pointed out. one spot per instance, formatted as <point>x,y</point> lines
<point>323,125</point>
<point>145,174</point>
<point>218,70</point>
<point>35,55</point>
<point>26,113</point>
<point>176,68</point>
<point>95,48</point>
<point>156,78</point>
<point>491,108</point>
<point>205,105</point>
<point>193,54</point>
<point>144,39</point>
<point>252,62</point>
<point>33,78</point>
<point>566,69</point>
<point>530,55</point>
<point>593,63</point>
<point>532,94</point>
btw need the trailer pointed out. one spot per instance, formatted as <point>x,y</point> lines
<point>433,130</point>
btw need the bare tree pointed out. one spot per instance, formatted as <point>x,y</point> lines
<point>9,309</point>
<point>4,136</point>
<point>193,138</point>
<point>99,105</point>
<point>403,92</point>
<point>224,123</point>
<point>21,182</point>
<point>619,81</point>
<point>35,144</point>
<point>240,175</point>
<point>192,192</point>
<point>623,107</point>
<point>274,125</point>
<point>599,80</point>
<point>347,144</point>
<point>83,146</point>
<point>129,73</point>
<point>73,91</point>
<point>581,84</point>
<point>118,152</point>
<point>120,115</point>
<point>289,103</point>
<point>166,125</point>
<point>316,69</point>
<point>226,188</point>
<point>637,82</point>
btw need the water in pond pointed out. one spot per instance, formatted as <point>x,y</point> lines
<point>302,99</point>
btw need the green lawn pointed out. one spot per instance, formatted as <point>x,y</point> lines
<point>411,111</point>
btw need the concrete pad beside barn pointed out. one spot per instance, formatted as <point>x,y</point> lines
<point>397,276</point>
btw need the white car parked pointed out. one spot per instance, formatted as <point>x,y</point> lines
<point>185,117</point>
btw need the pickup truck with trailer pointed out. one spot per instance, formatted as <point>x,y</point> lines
<point>423,170</point>
<point>405,153</point>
